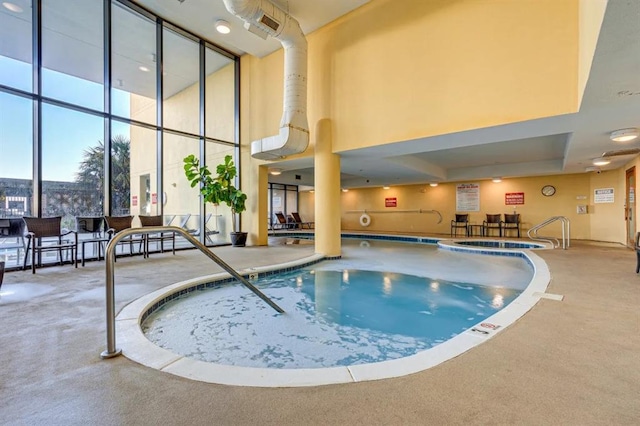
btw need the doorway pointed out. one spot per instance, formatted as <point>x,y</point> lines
<point>630,206</point>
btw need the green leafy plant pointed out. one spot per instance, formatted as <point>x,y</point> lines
<point>217,189</point>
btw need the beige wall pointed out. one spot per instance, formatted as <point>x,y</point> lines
<point>603,222</point>
<point>395,70</point>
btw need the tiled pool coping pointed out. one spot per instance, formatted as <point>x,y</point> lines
<point>137,347</point>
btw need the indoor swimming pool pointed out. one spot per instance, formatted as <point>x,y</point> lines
<point>384,309</point>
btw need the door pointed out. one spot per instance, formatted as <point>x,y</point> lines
<point>630,206</point>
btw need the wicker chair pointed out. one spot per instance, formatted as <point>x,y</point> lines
<point>93,225</point>
<point>117,224</point>
<point>493,221</point>
<point>511,222</point>
<point>461,221</point>
<point>46,234</point>
<point>159,237</point>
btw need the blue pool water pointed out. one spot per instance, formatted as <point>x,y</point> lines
<point>333,318</point>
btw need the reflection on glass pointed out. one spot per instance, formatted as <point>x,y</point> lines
<point>16,189</point>
<point>73,164</point>
<point>72,52</point>
<point>181,82</point>
<point>220,96</point>
<point>182,202</point>
<point>141,186</point>
<point>15,46</point>
<point>218,218</point>
<point>133,62</point>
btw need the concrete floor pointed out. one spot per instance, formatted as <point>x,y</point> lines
<point>574,362</point>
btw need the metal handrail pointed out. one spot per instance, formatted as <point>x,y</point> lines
<point>566,238</point>
<point>110,257</point>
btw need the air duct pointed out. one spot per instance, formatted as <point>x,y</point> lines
<point>264,18</point>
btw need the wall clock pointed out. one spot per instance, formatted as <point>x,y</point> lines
<point>548,190</point>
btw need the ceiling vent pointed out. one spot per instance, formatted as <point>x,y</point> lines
<point>630,151</point>
<point>269,22</point>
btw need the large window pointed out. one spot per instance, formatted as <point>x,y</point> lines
<point>52,144</point>
<point>72,52</point>
<point>15,45</point>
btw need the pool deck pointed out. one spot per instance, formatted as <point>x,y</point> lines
<point>569,362</point>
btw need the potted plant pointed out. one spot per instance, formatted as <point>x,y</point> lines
<point>217,189</point>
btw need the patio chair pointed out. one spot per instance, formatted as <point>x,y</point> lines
<point>46,234</point>
<point>299,223</point>
<point>117,224</point>
<point>460,222</point>
<point>158,238</point>
<point>493,221</point>
<point>511,222</point>
<point>13,229</point>
<point>93,225</point>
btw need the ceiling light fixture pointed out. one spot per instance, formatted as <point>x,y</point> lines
<point>625,135</point>
<point>143,68</point>
<point>223,26</point>
<point>275,172</point>
<point>12,7</point>
<point>497,179</point>
<point>385,187</point>
<point>601,161</point>
<point>345,190</point>
<point>434,184</point>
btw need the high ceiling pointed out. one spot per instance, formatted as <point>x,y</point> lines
<point>548,146</point>
<point>554,145</point>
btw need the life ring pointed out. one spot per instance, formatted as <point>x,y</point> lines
<point>365,220</point>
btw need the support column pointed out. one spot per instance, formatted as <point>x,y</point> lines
<point>327,192</point>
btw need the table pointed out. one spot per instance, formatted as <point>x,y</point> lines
<point>475,229</point>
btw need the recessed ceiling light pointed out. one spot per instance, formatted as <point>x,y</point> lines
<point>12,7</point>
<point>345,190</point>
<point>275,172</point>
<point>497,179</point>
<point>601,161</point>
<point>223,26</point>
<point>143,68</point>
<point>434,184</point>
<point>385,187</point>
<point>625,135</point>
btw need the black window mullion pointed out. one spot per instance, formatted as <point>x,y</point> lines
<point>36,40</point>
<point>107,204</point>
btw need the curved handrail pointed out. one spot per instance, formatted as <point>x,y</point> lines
<point>112,351</point>
<point>566,238</point>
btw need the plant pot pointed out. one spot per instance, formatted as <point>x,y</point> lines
<point>238,239</point>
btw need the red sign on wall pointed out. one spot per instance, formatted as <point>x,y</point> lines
<point>391,202</point>
<point>134,200</point>
<point>513,198</point>
<point>154,198</point>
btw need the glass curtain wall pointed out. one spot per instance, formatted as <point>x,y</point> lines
<point>57,118</point>
<point>282,199</point>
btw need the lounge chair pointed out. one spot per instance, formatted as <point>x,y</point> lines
<point>299,223</point>
<point>282,222</point>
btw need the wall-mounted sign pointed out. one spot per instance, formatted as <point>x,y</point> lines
<point>603,195</point>
<point>134,200</point>
<point>154,198</point>
<point>468,197</point>
<point>391,202</point>
<point>513,198</point>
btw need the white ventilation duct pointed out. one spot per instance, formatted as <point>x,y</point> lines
<point>264,18</point>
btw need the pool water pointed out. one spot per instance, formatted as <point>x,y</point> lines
<point>332,318</point>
